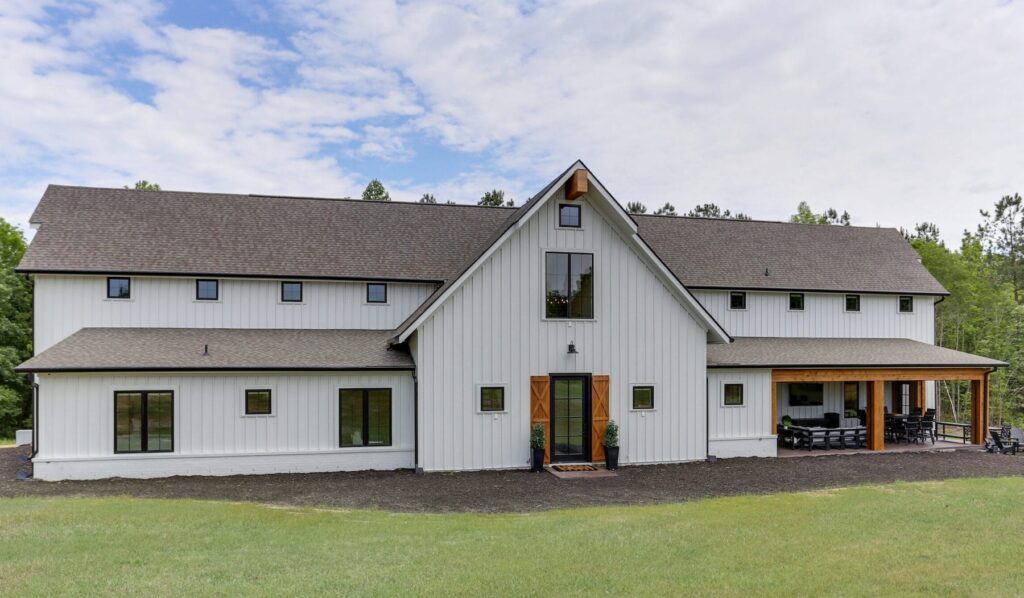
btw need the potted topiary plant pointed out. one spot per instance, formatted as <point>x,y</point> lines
<point>538,443</point>
<point>611,445</point>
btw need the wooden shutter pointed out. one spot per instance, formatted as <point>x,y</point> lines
<point>540,408</point>
<point>599,416</point>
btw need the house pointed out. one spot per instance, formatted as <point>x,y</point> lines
<point>198,333</point>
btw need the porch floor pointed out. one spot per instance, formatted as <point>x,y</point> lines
<point>940,445</point>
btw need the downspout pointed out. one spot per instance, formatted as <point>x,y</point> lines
<point>416,422</point>
<point>707,418</point>
<point>35,416</point>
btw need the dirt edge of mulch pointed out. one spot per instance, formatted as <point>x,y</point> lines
<point>521,491</point>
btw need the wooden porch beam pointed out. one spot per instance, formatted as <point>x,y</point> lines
<point>897,374</point>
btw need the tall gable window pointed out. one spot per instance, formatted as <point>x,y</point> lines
<point>853,303</point>
<point>737,300</point>
<point>376,292</point>
<point>569,216</point>
<point>291,292</point>
<point>119,288</point>
<point>207,290</point>
<point>569,289</point>
<point>906,304</point>
<point>796,302</point>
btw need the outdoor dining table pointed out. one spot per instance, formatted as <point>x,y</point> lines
<point>811,436</point>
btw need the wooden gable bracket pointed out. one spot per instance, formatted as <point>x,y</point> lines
<point>576,185</point>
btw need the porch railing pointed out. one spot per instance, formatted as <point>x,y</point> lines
<point>953,431</point>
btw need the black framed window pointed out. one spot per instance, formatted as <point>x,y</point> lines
<point>570,216</point>
<point>906,304</point>
<point>492,398</point>
<point>643,397</point>
<point>732,395</point>
<point>291,292</point>
<point>207,290</point>
<point>806,394</point>
<point>796,301</point>
<point>257,401</point>
<point>737,300</point>
<point>364,416</point>
<point>853,303</point>
<point>569,290</point>
<point>144,421</point>
<point>851,399</point>
<point>119,288</point>
<point>376,292</point>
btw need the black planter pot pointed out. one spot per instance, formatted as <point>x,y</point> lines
<point>611,457</point>
<point>538,460</point>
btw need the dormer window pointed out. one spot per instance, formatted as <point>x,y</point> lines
<point>796,302</point>
<point>853,303</point>
<point>207,290</point>
<point>376,292</point>
<point>291,292</point>
<point>737,300</point>
<point>569,216</point>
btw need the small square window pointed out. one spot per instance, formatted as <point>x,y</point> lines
<point>291,292</point>
<point>737,300</point>
<point>257,402</point>
<point>853,303</point>
<point>119,288</point>
<point>492,398</point>
<point>207,290</point>
<point>906,304</point>
<point>733,395</point>
<point>643,397</point>
<point>569,216</point>
<point>376,292</point>
<point>796,301</point>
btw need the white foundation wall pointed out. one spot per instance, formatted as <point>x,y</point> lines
<point>741,431</point>
<point>64,304</point>
<point>492,331</point>
<point>212,434</point>
<point>824,316</point>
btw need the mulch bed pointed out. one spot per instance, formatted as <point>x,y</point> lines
<point>517,491</point>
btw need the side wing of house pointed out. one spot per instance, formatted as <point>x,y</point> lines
<point>569,362</point>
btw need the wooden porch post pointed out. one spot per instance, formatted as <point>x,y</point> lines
<point>920,403</point>
<point>979,421</point>
<point>775,407</point>
<point>876,415</point>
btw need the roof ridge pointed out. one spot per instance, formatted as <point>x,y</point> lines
<point>764,221</point>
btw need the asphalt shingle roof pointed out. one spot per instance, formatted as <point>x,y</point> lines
<point>839,352</point>
<point>125,231</point>
<point>157,349</point>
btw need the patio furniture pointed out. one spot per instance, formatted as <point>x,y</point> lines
<point>997,445</point>
<point>927,429</point>
<point>810,438</point>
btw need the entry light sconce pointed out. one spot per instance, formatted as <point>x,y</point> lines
<point>572,348</point>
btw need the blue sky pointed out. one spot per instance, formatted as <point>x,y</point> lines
<point>898,112</point>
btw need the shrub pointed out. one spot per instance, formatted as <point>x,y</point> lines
<point>537,439</point>
<point>611,434</point>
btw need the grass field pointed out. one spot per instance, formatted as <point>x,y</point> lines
<point>954,537</point>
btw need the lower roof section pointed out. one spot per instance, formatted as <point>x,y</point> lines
<point>202,349</point>
<point>777,352</point>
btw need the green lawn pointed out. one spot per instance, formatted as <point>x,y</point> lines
<point>955,537</point>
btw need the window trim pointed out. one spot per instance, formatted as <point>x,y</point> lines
<point>803,302</point>
<point>480,398</point>
<point>245,401</point>
<point>129,279</point>
<point>899,304</point>
<point>743,394</point>
<point>216,281</point>
<point>579,214</point>
<point>145,429</point>
<point>544,283</point>
<point>366,418</point>
<point>740,293</point>
<point>302,293</point>
<point>632,397</point>
<point>371,302</point>
<point>846,303</point>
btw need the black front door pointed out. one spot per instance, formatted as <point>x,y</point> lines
<point>570,418</point>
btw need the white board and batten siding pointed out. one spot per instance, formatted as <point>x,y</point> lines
<point>65,304</point>
<point>492,331</point>
<point>212,434</point>
<point>740,431</point>
<point>768,315</point>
